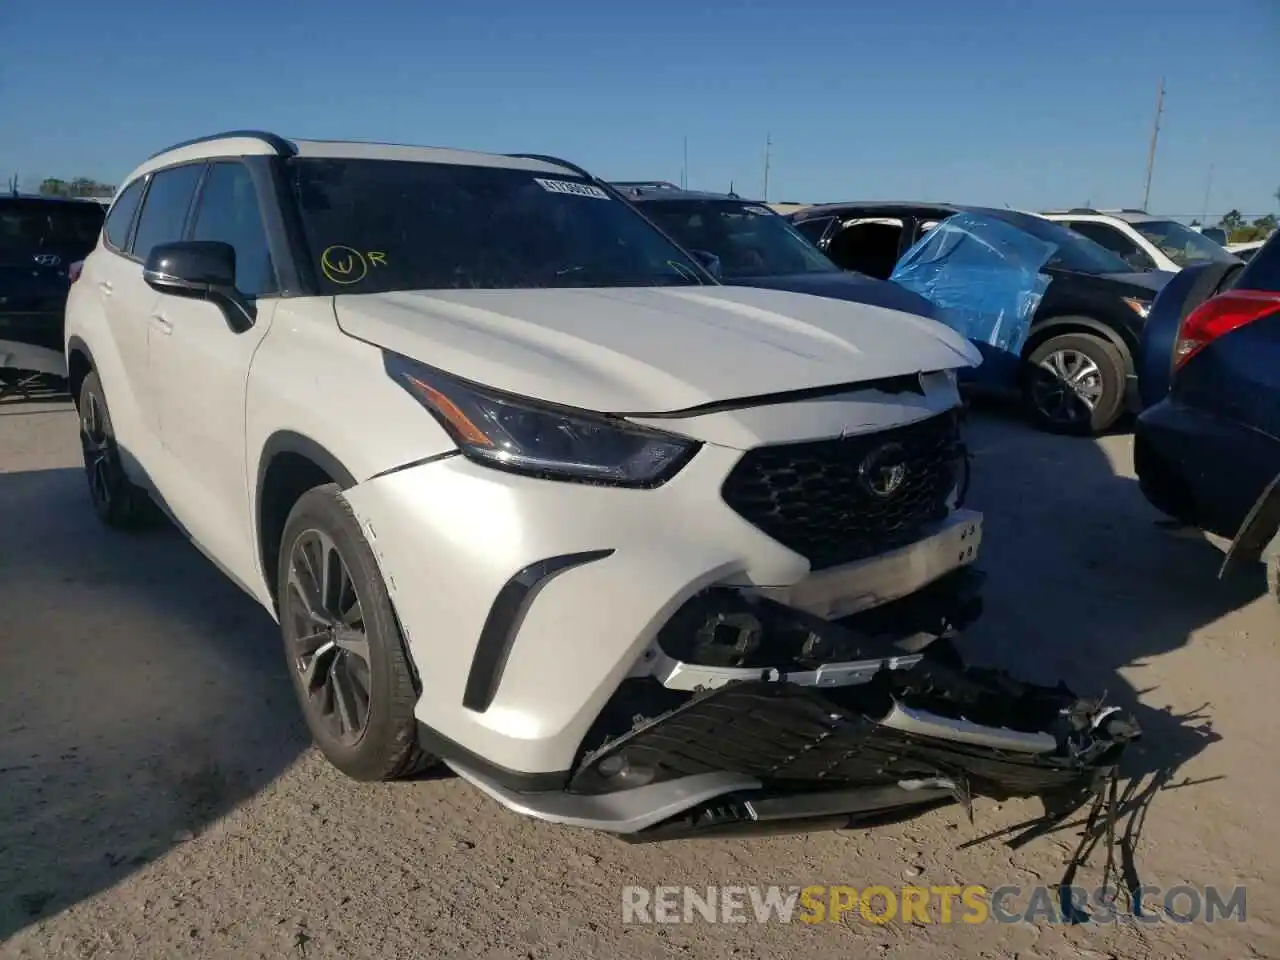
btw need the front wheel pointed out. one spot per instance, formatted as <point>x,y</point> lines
<point>346,656</point>
<point>1076,384</point>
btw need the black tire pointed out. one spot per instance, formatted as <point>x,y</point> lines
<point>116,500</point>
<point>1057,407</point>
<point>382,744</point>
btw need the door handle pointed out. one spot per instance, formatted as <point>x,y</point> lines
<point>160,323</point>
<point>105,287</point>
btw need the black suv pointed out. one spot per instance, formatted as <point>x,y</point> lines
<point>40,238</point>
<point>1076,371</point>
<point>745,243</point>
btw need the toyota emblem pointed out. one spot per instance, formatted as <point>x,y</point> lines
<point>47,259</point>
<point>883,471</point>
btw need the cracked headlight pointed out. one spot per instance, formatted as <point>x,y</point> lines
<point>543,440</point>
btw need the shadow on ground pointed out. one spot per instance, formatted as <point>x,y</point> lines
<point>144,696</point>
<point>1083,585</point>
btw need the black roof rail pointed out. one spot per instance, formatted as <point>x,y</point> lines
<point>278,143</point>
<point>1131,210</point>
<point>645,184</point>
<point>545,158</point>
<point>1082,210</point>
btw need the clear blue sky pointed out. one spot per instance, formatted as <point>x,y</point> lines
<point>1026,102</point>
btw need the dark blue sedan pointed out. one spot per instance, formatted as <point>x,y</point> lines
<point>1208,453</point>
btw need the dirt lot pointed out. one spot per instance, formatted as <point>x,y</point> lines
<point>158,797</point>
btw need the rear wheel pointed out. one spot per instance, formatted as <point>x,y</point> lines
<point>116,500</point>
<point>347,658</point>
<point>1076,384</point>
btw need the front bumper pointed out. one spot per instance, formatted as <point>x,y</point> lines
<point>526,604</point>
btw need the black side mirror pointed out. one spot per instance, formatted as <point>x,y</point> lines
<point>200,270</point>
<point>708,260</point>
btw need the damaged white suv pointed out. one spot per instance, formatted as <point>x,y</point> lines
<point>534,496</point>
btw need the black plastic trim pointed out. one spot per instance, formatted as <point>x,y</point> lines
<point>503,623</point>
<point>420,462</point>
<point>278,143</point>
<point>286,441</point>
<point>437,744</point>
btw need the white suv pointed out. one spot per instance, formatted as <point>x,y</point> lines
<point>1145,242</point>
<point>514,473</point>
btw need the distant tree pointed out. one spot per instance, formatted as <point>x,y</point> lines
<point>1267,223</point>
<point>78,187</point>
<point>1195,223</point>
<point>1232,220</point>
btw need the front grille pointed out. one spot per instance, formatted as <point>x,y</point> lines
<point>836,501</point>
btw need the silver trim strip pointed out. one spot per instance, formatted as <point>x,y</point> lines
<point>627,811</point>
<point>921,723</point>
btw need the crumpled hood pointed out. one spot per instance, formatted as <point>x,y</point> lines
<point>650,350</point>
<point>847,285</point>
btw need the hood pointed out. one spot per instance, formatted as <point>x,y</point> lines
<point>1150,281</point>
<point>846,285</point>
<point>650,350</point>
<point>1144,285</point>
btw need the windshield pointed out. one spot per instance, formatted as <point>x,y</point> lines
<point>1075,252</point>
<point>1181,244</point>
<point>376,226</point>
<point>749,239</point>
<point>69,226</point>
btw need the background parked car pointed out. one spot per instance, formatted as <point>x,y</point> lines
<point>746,243</point>
<point>1085,331</point>
<point>1144,241</point>
<point>1245,251</point>
<point>1208,452</point>
<point>40,238</point>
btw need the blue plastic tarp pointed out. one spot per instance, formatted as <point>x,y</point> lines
<point>985,275</point>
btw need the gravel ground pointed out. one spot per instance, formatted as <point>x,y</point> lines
<point>158,796</point>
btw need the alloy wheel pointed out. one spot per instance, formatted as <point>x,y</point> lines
<point>1071,389</point>
<point>329,647</point>
<point>95,443</point>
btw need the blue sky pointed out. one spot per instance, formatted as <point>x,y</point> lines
<point>1033,103</point>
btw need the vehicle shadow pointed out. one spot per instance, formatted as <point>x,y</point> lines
<point>1085,587</point>
<point>143,697</point>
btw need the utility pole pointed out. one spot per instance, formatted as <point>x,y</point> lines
<point>1155,135</point>
<point>768,144</point>
<point>684,167</point>
<point>1204,217</point>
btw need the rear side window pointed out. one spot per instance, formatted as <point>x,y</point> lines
<point>229,212</point>
<point>164,211</point>
<point>1263,269</point>
<point>812,230</point>
<point>121,215</point>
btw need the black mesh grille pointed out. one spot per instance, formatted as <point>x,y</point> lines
<point>817,498</point>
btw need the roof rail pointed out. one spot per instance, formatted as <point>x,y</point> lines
<point>546,158</point>
<point>645,184</point>
<point>279,144</point>
<point>1082,210</point>
<point>1131,210</point>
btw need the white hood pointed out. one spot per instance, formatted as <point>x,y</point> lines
<point>650,350</point>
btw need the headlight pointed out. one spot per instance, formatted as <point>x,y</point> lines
<point>526,436</point>
<point>1140,307</point>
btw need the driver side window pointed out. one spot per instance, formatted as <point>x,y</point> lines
<point>229,212</point>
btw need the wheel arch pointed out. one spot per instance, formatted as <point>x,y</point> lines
<point>80,363</point>
<point>1078,323</point>
<point>290,464</point>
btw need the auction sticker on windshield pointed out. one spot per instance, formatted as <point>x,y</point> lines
<point>571,188</point>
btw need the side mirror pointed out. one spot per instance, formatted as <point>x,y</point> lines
<point>200,270</point>
<point>708,260</point>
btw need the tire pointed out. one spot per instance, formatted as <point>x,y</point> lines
<point>352,675</point>
<point>116,500</point>
<point>1056,407</point>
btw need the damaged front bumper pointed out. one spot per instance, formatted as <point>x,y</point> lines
<point>773,740</point>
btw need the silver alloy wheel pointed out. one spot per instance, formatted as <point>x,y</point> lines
<point>328,644</point>
<point>95,443</point>
<point>1074,381</point>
